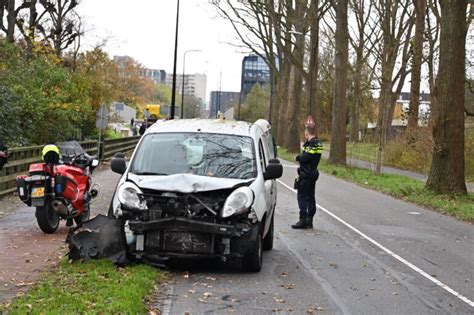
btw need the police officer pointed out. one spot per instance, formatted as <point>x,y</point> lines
<point>307,176</point>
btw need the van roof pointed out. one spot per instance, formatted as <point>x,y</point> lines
<point>220,126</point>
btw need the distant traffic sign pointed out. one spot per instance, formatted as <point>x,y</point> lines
<point>102,118</point>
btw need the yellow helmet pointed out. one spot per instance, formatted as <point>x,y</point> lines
<point>50,154</point>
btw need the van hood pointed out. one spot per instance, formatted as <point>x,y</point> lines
<point>185,183</point>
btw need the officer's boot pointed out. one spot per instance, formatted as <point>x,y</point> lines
<point>309,222</point>
<point>301,224</point>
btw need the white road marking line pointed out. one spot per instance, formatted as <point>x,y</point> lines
<point>414,213</point>
<point>388,251</point>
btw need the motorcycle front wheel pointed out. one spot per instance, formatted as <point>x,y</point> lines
<point>47,218</point>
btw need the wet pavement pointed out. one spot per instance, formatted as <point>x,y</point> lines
<point>26,251</point>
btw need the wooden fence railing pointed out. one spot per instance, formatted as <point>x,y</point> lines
<point>21,158</point>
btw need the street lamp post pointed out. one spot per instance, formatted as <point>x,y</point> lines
<point>182,81</point>
<point>173,89</point>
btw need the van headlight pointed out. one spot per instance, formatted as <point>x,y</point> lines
<point>239,201</point>
<point>130,196</point>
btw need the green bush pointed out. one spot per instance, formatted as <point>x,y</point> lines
<point>41,101</point>
<point>411,151</point>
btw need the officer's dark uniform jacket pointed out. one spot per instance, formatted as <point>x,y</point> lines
<point>309,159</point>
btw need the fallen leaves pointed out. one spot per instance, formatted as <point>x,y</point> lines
<point>23,284</point>
<point>288,286</point>
<point>311,309</point>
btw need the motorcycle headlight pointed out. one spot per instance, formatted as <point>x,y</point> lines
<point>130,196</point>
<point>239,201</point>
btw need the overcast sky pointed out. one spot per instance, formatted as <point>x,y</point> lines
<point>145,29</point>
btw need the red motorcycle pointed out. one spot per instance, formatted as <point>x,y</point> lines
<point>61,187</point>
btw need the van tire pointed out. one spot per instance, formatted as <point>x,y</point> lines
<point>252,261</point>
<point>268,239</point>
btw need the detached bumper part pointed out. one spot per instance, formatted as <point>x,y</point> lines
<point>159,240</point>
<point>100,237</point>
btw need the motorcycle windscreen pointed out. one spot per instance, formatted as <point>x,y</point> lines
<point>70,148</point>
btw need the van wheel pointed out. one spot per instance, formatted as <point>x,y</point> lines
<point>47,218</point>
<point>268,239</point>
<point>252,262</point>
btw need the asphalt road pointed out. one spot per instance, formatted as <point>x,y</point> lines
<point>368,254</point>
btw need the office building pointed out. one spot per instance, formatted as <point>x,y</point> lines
<point>222,101</point>
<point>194,84</point>
<point>254,70</point>
<point>156,75</point>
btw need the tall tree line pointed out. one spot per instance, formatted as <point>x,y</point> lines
<point>390,41</point>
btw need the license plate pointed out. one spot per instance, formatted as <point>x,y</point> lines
<point>37,192</point>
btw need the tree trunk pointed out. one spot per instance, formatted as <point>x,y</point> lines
<point>447,168</point>
<point>337,155</point>
<point>292,139</point>
<point>420,9</point>
<point>313,104</point>
<point>284,88</point>
<point>357,102</point>
<point>11,21</point>
<point>275,104</point>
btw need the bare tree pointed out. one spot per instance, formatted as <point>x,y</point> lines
<point>337,155</point>
<point>420,10</point>
<point>432,37</point>
<point>447,168</point>
<point>317,10</point>
<point>29,23</point>
<point>362,47</point>
<point>396,23</point>
<point>269,29</point>
<point>295,103</point>
<point>62,27</point>
<point>9,7</point>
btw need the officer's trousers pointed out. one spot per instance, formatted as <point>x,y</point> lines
<point>306,198</point>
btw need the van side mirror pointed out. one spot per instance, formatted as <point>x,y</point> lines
<point>273,170</point>
<point>118,165</point>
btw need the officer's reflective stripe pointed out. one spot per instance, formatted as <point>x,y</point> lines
<point>316,150</point>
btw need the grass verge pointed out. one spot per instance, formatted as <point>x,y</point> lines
<point>96,287</point>
<point>405,188</point>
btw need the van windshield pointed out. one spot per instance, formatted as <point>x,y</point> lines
<point>224,156</point>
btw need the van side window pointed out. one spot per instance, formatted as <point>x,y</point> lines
<point>271,146</point>
<point>263,160</point>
